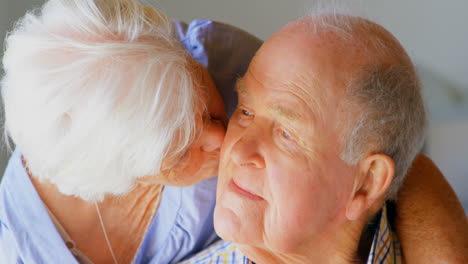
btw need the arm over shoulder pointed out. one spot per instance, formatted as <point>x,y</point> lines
<point>431,223</point>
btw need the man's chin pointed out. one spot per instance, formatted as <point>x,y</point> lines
<point>226,223</point>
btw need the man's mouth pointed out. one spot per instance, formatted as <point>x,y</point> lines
<point>243,192</point>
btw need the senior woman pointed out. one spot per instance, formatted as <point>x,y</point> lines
<point>106,108</point>
<point>111,116</point>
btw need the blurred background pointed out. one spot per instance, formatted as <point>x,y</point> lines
<point>435,34</point>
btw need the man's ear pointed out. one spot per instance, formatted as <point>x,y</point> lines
<point>375,173</point>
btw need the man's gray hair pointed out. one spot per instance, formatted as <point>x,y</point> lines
<point>384,110</point>
<point>391,122</point>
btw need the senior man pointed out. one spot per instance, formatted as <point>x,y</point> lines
<point>330,117</point>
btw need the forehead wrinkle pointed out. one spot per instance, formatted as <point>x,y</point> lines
<point>278,109</point>
<point>287,113</point>
<point>301,88</point>
<point>308,121</point>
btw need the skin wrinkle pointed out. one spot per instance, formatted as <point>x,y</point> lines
<point>286,113</point>
<point>315,114</point>
<point>299,129</point>
<point>301,94</point>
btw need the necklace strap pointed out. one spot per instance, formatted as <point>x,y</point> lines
<point>105,233</point>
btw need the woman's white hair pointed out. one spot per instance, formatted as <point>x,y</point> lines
<point>97,93</point>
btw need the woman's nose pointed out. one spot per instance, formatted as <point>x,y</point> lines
<point>213,135</point>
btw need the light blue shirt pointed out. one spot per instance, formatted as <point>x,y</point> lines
<point>183,223</point>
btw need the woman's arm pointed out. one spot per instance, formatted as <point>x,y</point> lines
<point>431,223</point>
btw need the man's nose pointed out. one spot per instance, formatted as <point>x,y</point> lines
<point>246,152</point>
<point>213,136</point>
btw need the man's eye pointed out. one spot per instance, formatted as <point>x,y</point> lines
<point>247,113</point>
<point>286,135</point>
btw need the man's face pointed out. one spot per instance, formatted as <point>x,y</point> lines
<point>282,182</point>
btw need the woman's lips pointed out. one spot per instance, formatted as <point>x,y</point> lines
<point>242,192</point>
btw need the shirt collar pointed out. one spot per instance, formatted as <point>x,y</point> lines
<point>385,245</point>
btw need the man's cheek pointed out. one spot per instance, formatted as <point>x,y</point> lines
<point>229,141</point>
<point>285,228</point>
<point>223,179</point>
<point>279,175</point>
<point>289,180</point>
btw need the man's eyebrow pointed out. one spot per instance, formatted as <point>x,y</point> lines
<point>240,87</point>
<point>289,114</point>
<point>278,109</point>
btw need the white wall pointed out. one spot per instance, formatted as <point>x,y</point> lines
<point>434,32</point>
<point>450,137</point>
